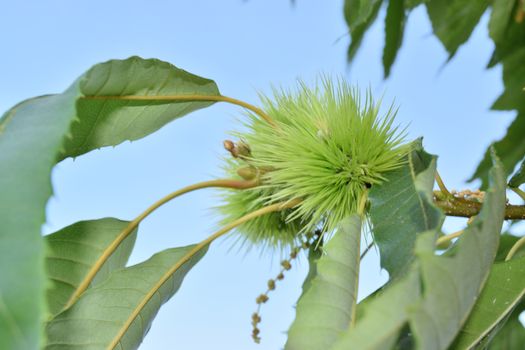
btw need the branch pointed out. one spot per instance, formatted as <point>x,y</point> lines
<point>467,208</point>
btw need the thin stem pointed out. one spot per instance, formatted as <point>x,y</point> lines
<point>191,253</point>
<point>225,183</point>
<point>517,246</point>
<point>367,249</point>
<point>519,192</point>
<point>442,186</point>
<point>443,240</point>
<point>175,98</point>
<point>361,212</point>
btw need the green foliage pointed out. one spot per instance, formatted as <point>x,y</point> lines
<point>401,208</point>
<point>326,306</point>
<point>313,156</point>
<point>117,313</point>
<point>36,124</point>
<point>394,30</point>
<point>504,289</point>
<point>441,290</point>
<point>359,16</point>
<point>511,335</point>
<point>383,317</point>
<point>452,284</point>
<point>74,250</point>
<point>519,177</point>
<point>37,133</point>
<point>510,146</point>
<point>108,120</point>
<point>453,21</point>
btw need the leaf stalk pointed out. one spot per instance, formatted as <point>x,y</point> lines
<point>268,209</point>
<point>183,98</point>
<point>224,183</point>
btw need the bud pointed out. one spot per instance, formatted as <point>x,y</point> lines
<point>263,298</point>
<point>243,149</point>
<point>271,284</point>
<point>286,264</point>
<point>247,173</point>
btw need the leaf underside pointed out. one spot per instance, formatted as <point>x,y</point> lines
<point>36,134</point>
<point>441,290</point>
<point>325,308</point>
<point>74,250</point>
<point>504,289</point>
<point>116,313</point>
<point>401,208</point>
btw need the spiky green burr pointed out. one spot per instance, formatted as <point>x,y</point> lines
<point>327,145</point>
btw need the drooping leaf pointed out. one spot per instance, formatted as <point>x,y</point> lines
<point>454,20</point>
<point>28,148</point>
<point>436,294</point>
<point>105,120</point>
<point>325,309</point>
<point>519,177</point>
<point>38,132</point>
<point>72,252</point>
<point>511,147</point>
<point>383,317</point>
<point>504,289</point>
<point>117,313</point>
<point>394,30</point>
<point>452,284</point>
<point>401,208</point>
<point>359,16</point>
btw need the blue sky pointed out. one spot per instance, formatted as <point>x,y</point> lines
<point>245,46</point>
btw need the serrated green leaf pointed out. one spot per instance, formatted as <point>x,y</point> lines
<point>519,177</point>
<point>106,121</point>
<point>512,40</point>
<point>38,132</point>
<point>394,30</point>
<point>359,16</point>
<point>511,147</point>
<point>514,78</point>
<point>325,309</point>
<point>452,284</point>
<point>73,250</point>
<point>500,19</point>
<point>504,289</point>
<point>117,313</point>
<point>401,208</point>
<point>454,20</point>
